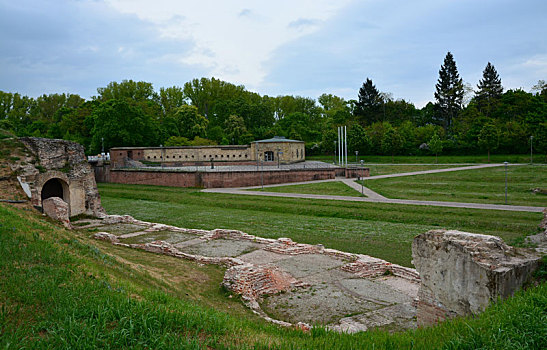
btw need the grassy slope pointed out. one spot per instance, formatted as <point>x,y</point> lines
<point>326,188</point>
<point>477,186</point>
<point>59,289</point>
<point>381,230</point>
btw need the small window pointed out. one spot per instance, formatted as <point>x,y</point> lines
<point>138,153</point>
<point>222,156</point>
<point>148,157</point>
<point>167,156</point>
<point>121,154</point>
<point>240,156</point>
<point>186,156</point>
<point>154,157</point>
<point>192,156</point>
<point>245,156</point>
<point>181,156</point>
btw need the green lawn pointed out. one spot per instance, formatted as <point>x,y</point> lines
<point>333,188</point>
<point>494,158</point>
<point>381,230</point>
<point>383,169</point>
<point>475,186</point>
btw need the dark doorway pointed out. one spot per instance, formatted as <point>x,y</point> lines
<point>53,188</point>
<point>268,156</point>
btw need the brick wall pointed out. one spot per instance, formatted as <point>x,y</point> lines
<point>217,179</point>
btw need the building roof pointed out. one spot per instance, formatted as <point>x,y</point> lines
<point>277,139</point>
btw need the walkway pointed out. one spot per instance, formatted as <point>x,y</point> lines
<point>373,197</point>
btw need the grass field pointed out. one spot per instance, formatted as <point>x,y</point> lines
<point>326,188</point>
<point>475,186</point>
<point>60,289</point>
<point>383,169</point>
<point>381,230</point>
<point>494,158</point>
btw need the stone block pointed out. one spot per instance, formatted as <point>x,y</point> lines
<point>461,272</point>
<point>57,209</point>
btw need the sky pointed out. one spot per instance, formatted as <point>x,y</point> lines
<point>282,47</point>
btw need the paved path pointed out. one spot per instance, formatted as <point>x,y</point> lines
<point>373,197</point>
<point>433,171</point>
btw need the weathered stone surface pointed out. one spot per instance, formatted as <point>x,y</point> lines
<point>299,269</point>
<point>57,209</point>
<point>461,273</point>
<point>63,163</point>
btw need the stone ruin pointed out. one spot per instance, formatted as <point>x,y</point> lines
<point>461,273</point>
<point>58,168</point>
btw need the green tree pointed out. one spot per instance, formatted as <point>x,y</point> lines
<point>200,141</point>
<point>358,140</point>
<point>177,141</point>
<point>126,90</point>
<point>490,90</point>
<point>170,99</point>
<point>489,138</point>
<point>235,129</point>
<point>449,91</point>
<point>391,141</point>
<point>190,122</point>
<point>369,103</point>
<point>121,124</point>
<point>435,145</point>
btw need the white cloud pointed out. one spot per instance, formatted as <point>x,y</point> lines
<point>232,39</point>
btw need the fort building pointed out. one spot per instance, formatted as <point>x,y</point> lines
<point>275,150</point>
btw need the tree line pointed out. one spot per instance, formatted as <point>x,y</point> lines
<point>210,111</point>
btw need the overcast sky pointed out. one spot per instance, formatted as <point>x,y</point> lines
<point>281,47</point>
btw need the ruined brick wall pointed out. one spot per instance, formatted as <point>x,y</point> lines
<point>217,179</point>
<point>461,273</point>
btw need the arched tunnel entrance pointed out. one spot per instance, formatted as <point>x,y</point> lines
<point>55,188</point>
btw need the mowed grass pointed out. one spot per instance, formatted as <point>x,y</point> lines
<point>384,169</point>
<point>62,290</point>
<point>482,158</point>
<point>473,186</point>
<point>381,230</point>
<point>332,188</point>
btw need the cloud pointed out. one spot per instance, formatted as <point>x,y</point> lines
<point>245,13</point>
<point>401,45</point>
<point>227,44</point>
<point>58,46</point>
<point>304,23</point>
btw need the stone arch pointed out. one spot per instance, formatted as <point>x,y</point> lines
<point>55,187</point>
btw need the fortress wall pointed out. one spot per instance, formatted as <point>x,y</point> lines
<point>217,179</point>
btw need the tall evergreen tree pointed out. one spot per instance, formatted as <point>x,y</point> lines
<point>370,101</point>
<point>490,89</point>
<point>449,91</point>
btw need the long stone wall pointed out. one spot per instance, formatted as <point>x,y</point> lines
<point>217,179</point>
